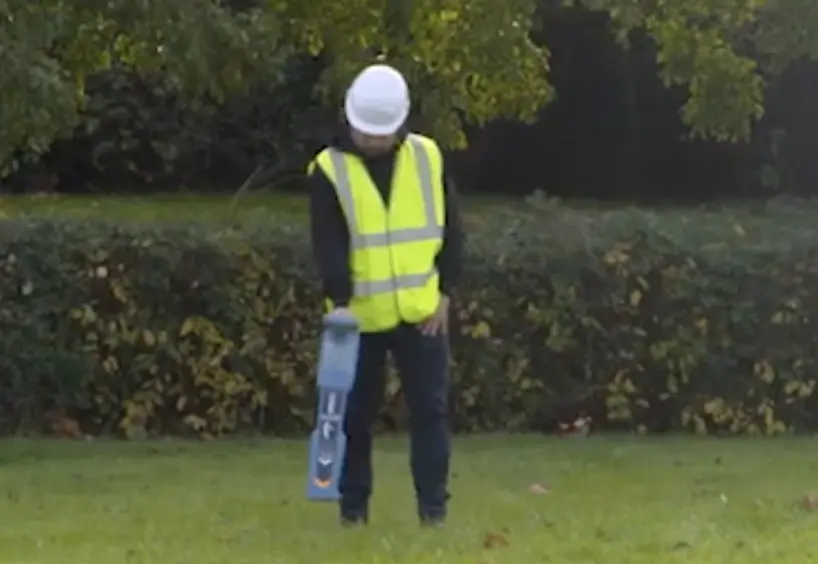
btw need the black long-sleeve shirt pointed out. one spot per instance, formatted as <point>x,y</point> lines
<point>330,233</point>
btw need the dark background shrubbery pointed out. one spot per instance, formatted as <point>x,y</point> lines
<point>642,321</point>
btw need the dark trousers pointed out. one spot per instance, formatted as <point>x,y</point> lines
<point>422,364</point>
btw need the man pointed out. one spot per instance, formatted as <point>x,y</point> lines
<point>387,241</point>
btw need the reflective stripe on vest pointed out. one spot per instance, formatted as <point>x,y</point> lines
<point>361,242</point>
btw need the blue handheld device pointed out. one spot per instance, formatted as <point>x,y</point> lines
<point>337,363</point>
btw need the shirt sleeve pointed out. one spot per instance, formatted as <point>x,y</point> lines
<point>329,238</point>
<point>449,260</point>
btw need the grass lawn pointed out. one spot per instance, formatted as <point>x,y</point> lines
<point>622,500</point>
<point>156,208</point>
<point>578,221</point>
<point>258,206</point>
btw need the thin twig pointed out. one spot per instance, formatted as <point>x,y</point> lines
<point>244,187</point>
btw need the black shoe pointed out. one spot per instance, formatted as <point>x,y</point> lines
<point>350,521</point>
<point>432,520</point>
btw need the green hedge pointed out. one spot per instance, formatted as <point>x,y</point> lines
<point>649,321</point>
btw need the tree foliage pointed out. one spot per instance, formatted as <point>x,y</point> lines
<point>468,61</point>
<point>460,56</point>
<point>786,32</point>
<point>48,49</point>
<point>698,46</point>
<point>721,50</point>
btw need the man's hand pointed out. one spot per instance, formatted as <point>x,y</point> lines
<point>438,323</point>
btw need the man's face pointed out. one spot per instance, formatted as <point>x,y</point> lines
<point>373,145</point>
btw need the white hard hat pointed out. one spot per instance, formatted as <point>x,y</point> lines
<point>377,102</point>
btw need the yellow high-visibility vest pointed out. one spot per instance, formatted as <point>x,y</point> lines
<point>392,251</point>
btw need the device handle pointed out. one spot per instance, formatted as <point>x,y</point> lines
<point>340,322</point>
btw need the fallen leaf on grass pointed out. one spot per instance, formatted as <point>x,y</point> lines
<point>681,545</point>
<point>494,540</point>
<point>63,426</point>
<point>580,427</point>
<point>538,489</point>
<point>809,502</point>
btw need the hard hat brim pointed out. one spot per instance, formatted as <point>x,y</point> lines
<point>373,129</point>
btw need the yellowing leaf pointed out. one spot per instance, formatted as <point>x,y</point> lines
<point>764,371</point>
<point>27,288</point>
<point>793,303</point>
<point>800,389</point>
<point>791,387</point>
<point>481,330</point>
<point>635,298</point>
<point>187,327</point>
<point>195,422</point>
<point>110,364</point>
<point>615,256</point>
<point>714,406</point>
<point>700,425</point>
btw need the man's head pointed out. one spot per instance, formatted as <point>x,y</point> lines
<point>376,107</point>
